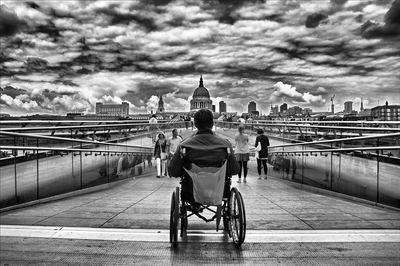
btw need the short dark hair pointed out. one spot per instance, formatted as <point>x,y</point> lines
<point>260,131</point>
<point>203,119</point>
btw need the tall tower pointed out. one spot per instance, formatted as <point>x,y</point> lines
<point>362,105</point>
<point>348,107</point>
<point>161,105</point>
<point>222,107</point>
<point>332,105</point>
<point>252,107</point>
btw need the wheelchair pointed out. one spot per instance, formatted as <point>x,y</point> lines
<point>208,196</point>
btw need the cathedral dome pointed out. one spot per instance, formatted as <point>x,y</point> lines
<point>201,91</point>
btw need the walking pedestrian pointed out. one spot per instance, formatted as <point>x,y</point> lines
<point>261,147</point>
<point>172,145</point>
<point>160,153</point>
<point>242,152</point>
<point>153,127</point>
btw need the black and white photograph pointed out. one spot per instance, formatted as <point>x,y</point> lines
<point>208,132</point>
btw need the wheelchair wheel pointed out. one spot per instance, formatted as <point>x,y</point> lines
<point>174,218</point>
<point>237,218</point>
<point>184,219</point>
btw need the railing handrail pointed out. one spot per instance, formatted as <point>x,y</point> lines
<point>340,149</point>
<point>313,126</point>
<point>144,121</point>
<point>83,126</point>
<point>331,122</point>
<point>167,120</point>
<point>72,140</point>
<point>338,140</point>
<point>146,149</point>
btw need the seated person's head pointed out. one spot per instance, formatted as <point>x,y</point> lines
<point>203,119</point>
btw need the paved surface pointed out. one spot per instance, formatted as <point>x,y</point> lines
<point>28,251</point>
<point>144,203</point>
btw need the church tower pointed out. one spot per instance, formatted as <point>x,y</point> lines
<point>161,105</point>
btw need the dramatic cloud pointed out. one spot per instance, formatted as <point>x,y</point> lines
<point>389,29</point>
<point>288,93</point>
<point>64,56</point>
<point>9,22</point>
<point>313,20</point>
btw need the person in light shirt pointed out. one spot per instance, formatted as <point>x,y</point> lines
<point>172,144</point>
<point>242,152</point>
<point>153,127</point>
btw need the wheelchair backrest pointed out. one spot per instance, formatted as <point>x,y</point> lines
<point>208,182</point>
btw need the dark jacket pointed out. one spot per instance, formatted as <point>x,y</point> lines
<point>263,153</point>
<point>159,148</point>
<point>204,149</point>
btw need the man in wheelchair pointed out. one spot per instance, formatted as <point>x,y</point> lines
<point>204,149</point>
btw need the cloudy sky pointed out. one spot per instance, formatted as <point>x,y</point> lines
<point>61,56</point>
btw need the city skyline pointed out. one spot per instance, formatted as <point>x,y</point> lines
<point>61,57</point>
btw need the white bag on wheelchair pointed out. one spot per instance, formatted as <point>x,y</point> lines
<point>208,184</point>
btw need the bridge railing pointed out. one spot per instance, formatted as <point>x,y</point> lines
<point>365,166</point>
<point>36,163</point>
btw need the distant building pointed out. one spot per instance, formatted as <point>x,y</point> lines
<point>283,108</point>
<point>362,105</point>
<point>160,105</point>
<point>222,107</point>
<point>255,113</point>
<point>295,110</point>
<point>252,107</point>
<point>201,98</point>
<point>386,112</point>
<point>348,107</point>
<point>274,110</point>
<point>307,111</point>
<point>117,110</point>
<point>4,115</point>
<point>365,114</point>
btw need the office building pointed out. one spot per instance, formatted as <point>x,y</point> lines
<point>117,110</point>
<point>386,112</point>
<point>222,107</point>
<point>348,107</point>
<point>252,107</point>
<point>283,108</point>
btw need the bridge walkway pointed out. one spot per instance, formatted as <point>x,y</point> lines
<point>128,223</point>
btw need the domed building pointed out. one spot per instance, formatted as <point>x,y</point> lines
<point>201,98</point>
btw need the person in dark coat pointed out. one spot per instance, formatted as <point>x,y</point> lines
<point>262,143</point>
<point>160,154</point>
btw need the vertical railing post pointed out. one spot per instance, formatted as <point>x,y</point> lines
<point>15,170</point>
<point>15,178</point>
<point>80,168</point>
<point>331,181</point>
<point>108,164</point>
<point>302,165</point>
<point>37,169</point>
<point>377,171</point>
